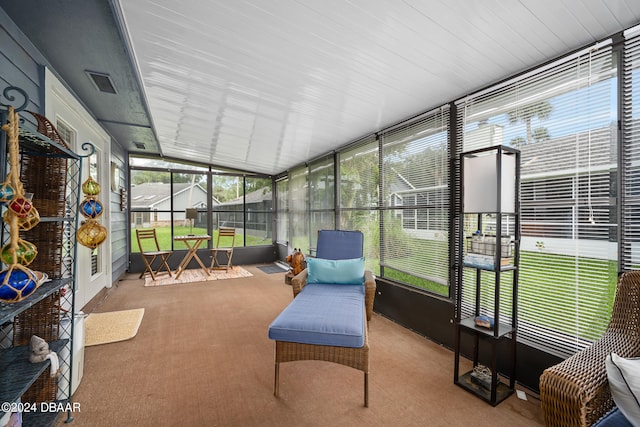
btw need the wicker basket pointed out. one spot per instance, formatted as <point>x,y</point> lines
<point>49,239</point>
<point>43,320</point>
<point>45,175</point>
<point>44,389</point>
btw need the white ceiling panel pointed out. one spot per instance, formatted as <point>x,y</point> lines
<point>263,86</point>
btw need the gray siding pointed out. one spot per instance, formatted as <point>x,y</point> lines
<point>20,64</point>
<point>118,226</point>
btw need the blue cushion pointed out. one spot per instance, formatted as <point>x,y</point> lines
<point>339,244</point>
<point>340,272</point>
<point>323,315</point>
<point>613,418</point>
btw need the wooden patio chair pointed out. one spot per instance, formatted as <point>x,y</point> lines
<point>223,232</point>
<point>150,251</point>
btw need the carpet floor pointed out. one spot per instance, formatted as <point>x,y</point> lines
<point>202,358</point>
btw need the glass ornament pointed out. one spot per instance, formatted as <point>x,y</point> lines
<point>20,206</point>
<point>25,253</point>
<point>91,207</point>
<point>16,284</point>
<point>31,220</point>
<point>90,187</point>
<point>91,234</point>
<point>6,192</point>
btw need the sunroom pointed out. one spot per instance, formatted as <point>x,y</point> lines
<point>279,120</point>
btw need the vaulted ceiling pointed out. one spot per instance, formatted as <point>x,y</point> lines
<point>265,85</point>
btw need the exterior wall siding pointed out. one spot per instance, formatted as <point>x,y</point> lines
<point>118,225</point>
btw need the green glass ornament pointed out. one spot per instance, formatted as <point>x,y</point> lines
<point>90,187</point>
<point>25,253</point>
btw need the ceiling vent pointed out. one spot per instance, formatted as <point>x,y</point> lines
<point>139,145</point>
<point>102,81</point>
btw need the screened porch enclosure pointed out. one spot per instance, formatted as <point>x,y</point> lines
<point>400,187</point>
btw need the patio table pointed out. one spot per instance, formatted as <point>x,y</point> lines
<point>192,242</point>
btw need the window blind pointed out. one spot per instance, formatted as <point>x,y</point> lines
<point>298,208</point>
<point>630,173</point>
<point>562,118</point>
<point>415,198</point>
<point>359,181</point>
<point>282,210</point>
<point>321,196</point>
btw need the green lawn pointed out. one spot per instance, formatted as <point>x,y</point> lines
<point>543,277</point>
<point>165,238</point>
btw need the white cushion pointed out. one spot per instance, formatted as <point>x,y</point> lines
<point>624,381</point>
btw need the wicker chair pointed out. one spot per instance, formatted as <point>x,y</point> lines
<point>575,392</point>
<point>332,244</point>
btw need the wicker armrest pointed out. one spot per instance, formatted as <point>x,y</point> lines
<point>575,392</point>
<point>370,292</point>
<point>299,282</point>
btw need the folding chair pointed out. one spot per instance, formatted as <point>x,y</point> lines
<point>150,251</point>
<point>228,250</point>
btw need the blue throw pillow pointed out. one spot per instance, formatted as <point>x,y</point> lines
<point>339,271</point>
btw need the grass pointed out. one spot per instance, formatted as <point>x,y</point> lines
<point>165,239</point>
<point>548,286</point>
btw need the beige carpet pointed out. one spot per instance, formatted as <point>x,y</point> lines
<point>197,275</point>
<point>113,326</point>
<point>202,357</point>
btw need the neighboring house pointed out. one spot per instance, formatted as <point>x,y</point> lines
<point>576,215</point>
<point>258,206</point>
<point>151,202</point>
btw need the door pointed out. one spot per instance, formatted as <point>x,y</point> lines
<point>77,126</point>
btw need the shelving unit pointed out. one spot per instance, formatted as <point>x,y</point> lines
<point>488,260</point>
<point>49,311</point>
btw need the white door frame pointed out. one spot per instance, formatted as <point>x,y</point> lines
<point>61,105</point>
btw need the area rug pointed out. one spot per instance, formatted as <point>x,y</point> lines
<point>113,326</point>
<point>197,275</point>
<point>273,268</point>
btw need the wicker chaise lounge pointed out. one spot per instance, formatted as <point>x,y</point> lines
<point>576,392</point>
<point>293,348</point>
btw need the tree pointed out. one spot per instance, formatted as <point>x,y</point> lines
<point>541,110</point>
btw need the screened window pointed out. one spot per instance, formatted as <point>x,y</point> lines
<point>189,192</point>
<point>195,200</point>
<point>359,182</point>
<point>151,205</point>
<point>630,191</point>
<point>563,119</point>
<point>298,209</point>
<point>359,176</point>
<point>258,211</point>
<point>282,212</point>
<point>415,194</point>
<point>321,196</point>
<point>227,204</point>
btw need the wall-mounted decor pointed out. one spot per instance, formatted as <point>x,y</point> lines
<point>91,234</point>
<point>123,198</point>
<point>116,175</point>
